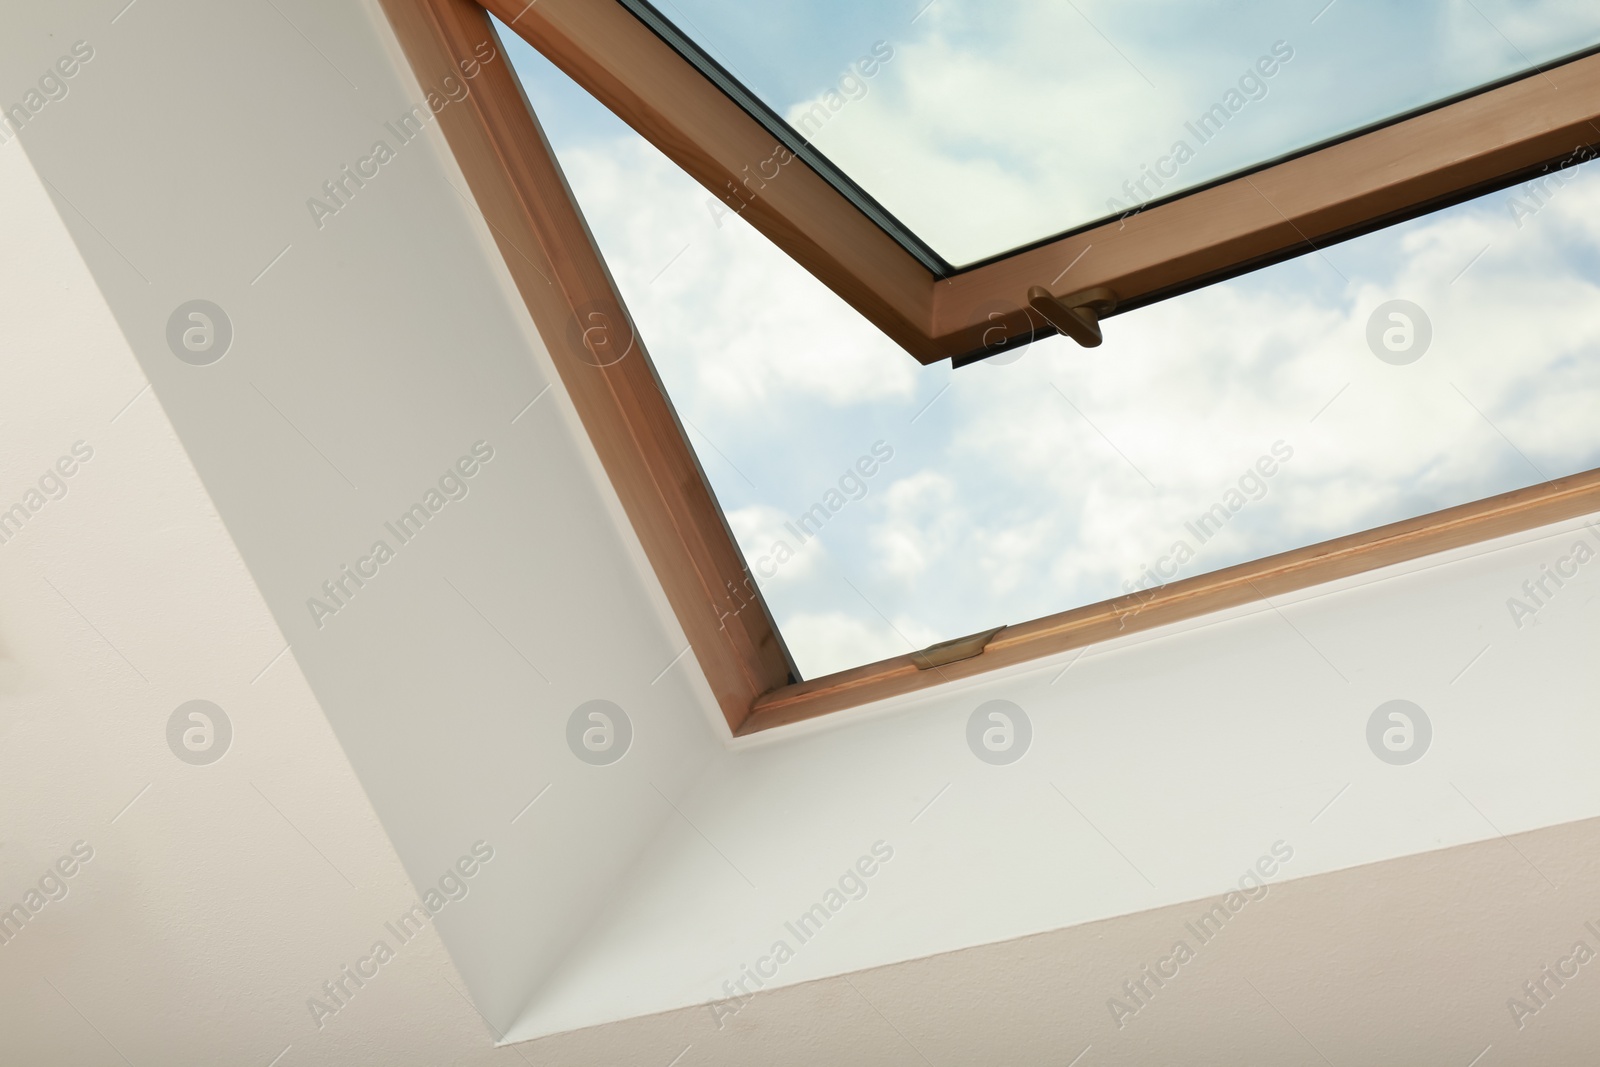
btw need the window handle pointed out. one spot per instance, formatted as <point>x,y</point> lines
<point>1077,314</point>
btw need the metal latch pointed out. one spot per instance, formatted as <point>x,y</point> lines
<point>953,651</point>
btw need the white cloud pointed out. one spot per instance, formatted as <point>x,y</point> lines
<point>723,312</point>
<point>831,641</point>
<point>923,519</point>
<point>772,549</point>
<point>995,126</point>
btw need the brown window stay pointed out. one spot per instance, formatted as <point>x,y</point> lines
<point>1406,168</point>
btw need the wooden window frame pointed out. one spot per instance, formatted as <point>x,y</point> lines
<point>1447,154</point>
<point>1403,168</point>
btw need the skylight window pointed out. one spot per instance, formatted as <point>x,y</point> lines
<point>882,507</point>
<point>1365,352</point>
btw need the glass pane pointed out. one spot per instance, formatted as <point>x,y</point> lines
<point>983,127</point>
<point>884,506</point>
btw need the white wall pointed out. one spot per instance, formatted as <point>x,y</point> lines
<point>1186,753</point>
<point>218,898</point>
<point>365,361</point>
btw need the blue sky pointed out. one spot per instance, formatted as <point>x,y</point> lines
<point>997,125</point>
<point>1021,488</point>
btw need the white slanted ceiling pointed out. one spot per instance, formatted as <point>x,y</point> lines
<point>376,348</point>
